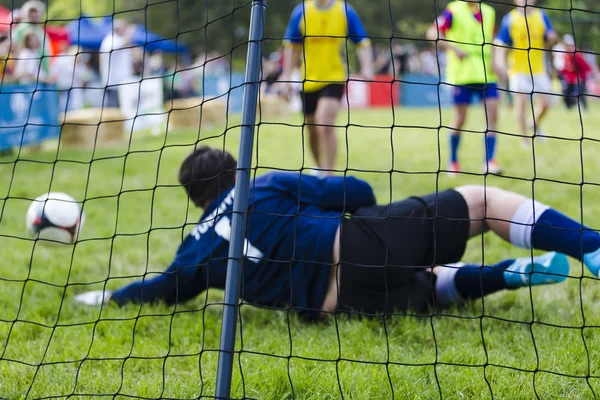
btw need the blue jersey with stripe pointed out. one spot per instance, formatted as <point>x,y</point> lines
<point>291,226</point>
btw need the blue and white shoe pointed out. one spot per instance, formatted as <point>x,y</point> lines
<point>592,262</point>
<point>547,268</point>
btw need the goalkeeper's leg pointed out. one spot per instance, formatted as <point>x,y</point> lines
<point>530,224</point>
<point>456,282</point>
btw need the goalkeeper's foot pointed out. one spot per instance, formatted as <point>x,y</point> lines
<point>592,262</point>
<point>547,268</point>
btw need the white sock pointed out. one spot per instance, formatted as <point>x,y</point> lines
<point>523,220</point>
<point>445,290</point>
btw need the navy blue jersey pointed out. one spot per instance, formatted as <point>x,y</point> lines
<point>291,225</point>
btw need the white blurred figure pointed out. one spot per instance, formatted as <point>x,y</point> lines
<point>31,20</point>
<point>155,65</point>
<point>71,74</point>
<point>116,61</point>
<point>429,63</point>
<point>558,56</point>
<point>29,69</point>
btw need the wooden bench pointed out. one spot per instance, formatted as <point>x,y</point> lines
<point>92,127</point>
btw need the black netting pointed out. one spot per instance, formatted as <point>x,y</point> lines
<point>104,102</point>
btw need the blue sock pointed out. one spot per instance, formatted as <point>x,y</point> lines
<point>554,231</point>
<point>490,146</point>
<point>454,142</point>
<point>474,281</point>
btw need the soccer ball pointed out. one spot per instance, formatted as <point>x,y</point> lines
<point>55,217</point>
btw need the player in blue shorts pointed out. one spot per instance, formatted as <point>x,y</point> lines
<point>466,31</point>
<point>321,245</point>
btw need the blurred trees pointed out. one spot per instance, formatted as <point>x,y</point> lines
<point>222,25</point>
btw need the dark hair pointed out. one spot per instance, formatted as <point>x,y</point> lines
<point>206,173</point>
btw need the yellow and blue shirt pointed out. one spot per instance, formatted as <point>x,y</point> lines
<point>323,32</point>
<point>526,34</point>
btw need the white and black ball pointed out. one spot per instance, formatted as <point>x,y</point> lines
<point>55,217</point>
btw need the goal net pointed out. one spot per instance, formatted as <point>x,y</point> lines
<point>103,102</point>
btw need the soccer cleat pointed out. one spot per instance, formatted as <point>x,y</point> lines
<point>547,268</point>
<point>453,168</point>
<point>492,167</point>
<point>592,262</point>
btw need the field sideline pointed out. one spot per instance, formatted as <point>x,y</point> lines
<point>544,342</point>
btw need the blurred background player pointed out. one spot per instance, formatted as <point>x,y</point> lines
<point>576,71</point>
<point>526,31</point>
<point>116,60</point>
<point>463,30</point>
<point>316,34</point>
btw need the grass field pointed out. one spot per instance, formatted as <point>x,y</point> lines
<point>543,342</point>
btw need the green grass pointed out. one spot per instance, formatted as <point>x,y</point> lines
<point>513,345</point>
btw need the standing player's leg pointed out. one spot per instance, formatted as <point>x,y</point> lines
<point>530,224</point>
<point>521,86</point>
<point>462,99</point>
<point>582,93</point>
<point>542,91</point>
<point>313,137</point>
<point>569,95</point>
<point>328,106</point>
<point>309,107</point>
<point>522,104</point>
<point>490,104</point>
<point>456,282</point>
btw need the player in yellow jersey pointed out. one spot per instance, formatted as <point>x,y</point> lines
<point>525,33</point>
<point>317,35</point>
<point>466,31</point>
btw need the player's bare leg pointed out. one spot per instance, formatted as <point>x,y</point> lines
<point>313,138</point>
<point>460,116</point>
<point>544,104</point>
<point>491,208</point>
<point>326,114</point>
<point>491,108</point>
<point>522,104</point>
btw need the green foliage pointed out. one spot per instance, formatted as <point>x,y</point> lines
<point>223,25</point>
<point>516,344</point>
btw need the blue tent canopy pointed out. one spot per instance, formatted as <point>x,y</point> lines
<point>88,32</point>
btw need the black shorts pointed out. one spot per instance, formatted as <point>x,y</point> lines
<point>386,249</point>
<point>310,100</point>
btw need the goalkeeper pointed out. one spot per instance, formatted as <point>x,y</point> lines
<point>300,228</point>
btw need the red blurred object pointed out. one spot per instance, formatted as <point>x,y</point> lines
<point>384,91</point>
<point>5,19</point>
<point>59,37</point>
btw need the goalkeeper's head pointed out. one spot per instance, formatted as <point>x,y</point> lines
<point>206,174</point>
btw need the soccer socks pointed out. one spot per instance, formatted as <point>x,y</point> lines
<point>537,226</point>
<point>454,143</point>
<point>464,281</point>
<point>490,146</point>
<point>458,282</point>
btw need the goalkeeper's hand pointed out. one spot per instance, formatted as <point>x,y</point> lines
<point>94,298</point>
